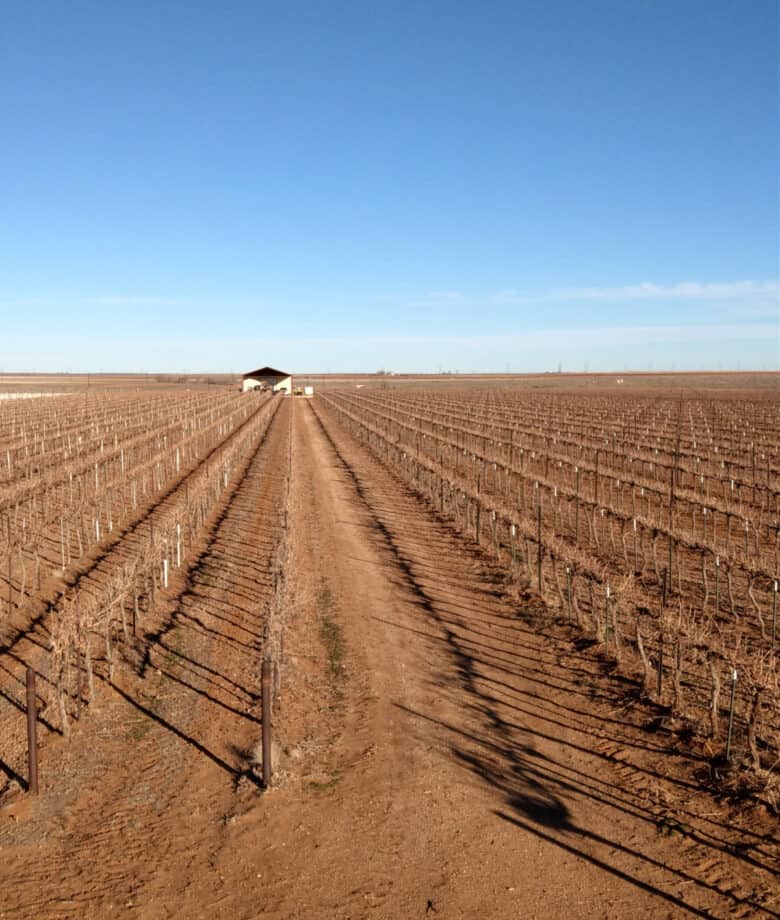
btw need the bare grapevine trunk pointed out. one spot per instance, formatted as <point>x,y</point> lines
<point>597,626</point>
<point>731,591</point>
<point>616,632</point>
<point>752,726</point>
<point>714,697</point>
<point>655,556</point>
<point>678,567</point>
<point>23,585</point>
<point>757,608</point>
<point>575,605</point>
<point>623,543</point>
<point>593,525</point>
<point>642,654</point>
<point>123,615</point>
<point>62,694</point>
<point>561,598</point>
<point>677,704</point>
<point>88,665</point>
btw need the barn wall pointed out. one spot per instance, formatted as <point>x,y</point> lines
<point>284,386</point>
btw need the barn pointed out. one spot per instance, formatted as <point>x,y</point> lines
<point>267,378</point>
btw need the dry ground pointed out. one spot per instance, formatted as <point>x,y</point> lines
<point>442,750</point>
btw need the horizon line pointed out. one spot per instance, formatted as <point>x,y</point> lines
<point>456,373</point>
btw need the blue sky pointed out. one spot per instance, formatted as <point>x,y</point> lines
<point>413,186</point>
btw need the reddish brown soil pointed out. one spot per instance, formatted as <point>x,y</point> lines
<point>442,751</point>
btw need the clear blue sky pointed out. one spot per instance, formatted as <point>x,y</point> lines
<point>414,186</point>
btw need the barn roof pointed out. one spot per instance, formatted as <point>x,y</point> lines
<point>266,372</point>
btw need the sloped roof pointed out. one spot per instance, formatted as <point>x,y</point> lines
<point>266,372</point>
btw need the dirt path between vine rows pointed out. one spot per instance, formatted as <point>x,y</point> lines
<point>440,753</point>
<point>478,769</point>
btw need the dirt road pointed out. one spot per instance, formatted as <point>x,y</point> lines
<point>441,753</point>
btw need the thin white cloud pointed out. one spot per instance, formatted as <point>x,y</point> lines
<point>733,291</point>
<point>686,290</point>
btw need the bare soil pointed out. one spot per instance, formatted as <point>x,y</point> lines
<point>442,748</point>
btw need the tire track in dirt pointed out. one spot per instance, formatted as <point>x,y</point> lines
<point>135,805</point>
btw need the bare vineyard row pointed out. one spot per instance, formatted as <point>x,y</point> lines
<point>102,473</point>
<point>39,437</point>
<point>722,441</point>
<point>645,522</point>
<point>109,605</point>
<point>560,437</point>
<point>690,612</point>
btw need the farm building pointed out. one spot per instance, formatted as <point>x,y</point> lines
<point>267,378</point>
